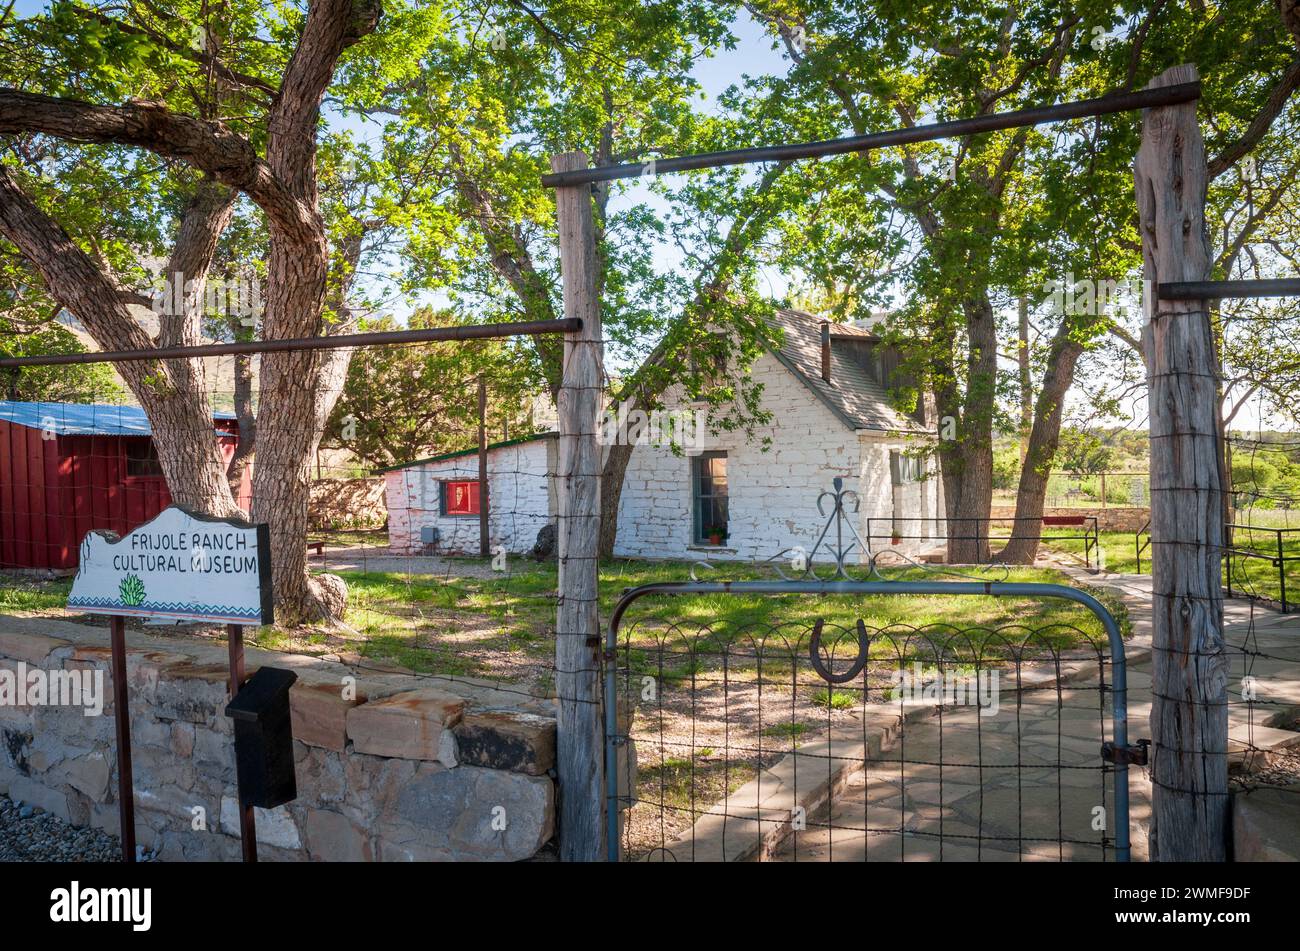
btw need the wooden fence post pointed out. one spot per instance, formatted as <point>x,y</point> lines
<point>1189,714</point>
<point>484,547</point>
<point>579,726</point>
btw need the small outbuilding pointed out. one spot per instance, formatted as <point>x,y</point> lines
<point>434,504</point>
<point>70,468</point>
<point>690,492</point>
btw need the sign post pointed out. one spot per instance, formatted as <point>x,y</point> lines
<point>183,567</point>
<point>247,819</point>
<point>122,724</point>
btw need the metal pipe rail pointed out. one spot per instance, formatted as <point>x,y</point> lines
<point>1089,532</point>
<point>1278,558</point>
<point>1222,290</point>
<point>1103,105</point>
<point>1005,589</point>
<point>376,339</point>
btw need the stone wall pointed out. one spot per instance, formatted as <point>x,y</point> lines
<point>347,503</point>
<point>406,768</point>
<point>1109,519</point>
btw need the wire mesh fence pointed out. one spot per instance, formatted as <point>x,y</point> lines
<point>952,741</point>
<point>929,743</point>
<point>423,595</point>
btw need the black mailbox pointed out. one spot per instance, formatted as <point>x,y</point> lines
<point>264,739</point>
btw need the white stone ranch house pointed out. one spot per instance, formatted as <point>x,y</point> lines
<point>727,497</point>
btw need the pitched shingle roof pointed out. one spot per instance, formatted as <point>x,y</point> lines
<point>852,394</point>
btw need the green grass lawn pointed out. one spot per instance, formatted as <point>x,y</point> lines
<point>478,623</point>
<point>372,537</point>
<point>25,595</point>
<point>1117,551</point>
<point>468,623</point>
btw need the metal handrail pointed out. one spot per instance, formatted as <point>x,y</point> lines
<point>1277,558</point>
<point>1091,535</point>
<point>1137,542</point>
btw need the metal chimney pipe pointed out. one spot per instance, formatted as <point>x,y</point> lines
<point>826,350</point>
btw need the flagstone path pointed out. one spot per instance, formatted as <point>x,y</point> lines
<point>963,789</point>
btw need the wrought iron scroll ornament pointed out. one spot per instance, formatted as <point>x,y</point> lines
<point>838,540</point>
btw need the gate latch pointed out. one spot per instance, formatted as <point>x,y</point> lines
<point>1132,755</point>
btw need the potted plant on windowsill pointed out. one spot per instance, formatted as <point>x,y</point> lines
<point>716,534</point>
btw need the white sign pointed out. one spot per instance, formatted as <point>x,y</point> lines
<point>179,566</point>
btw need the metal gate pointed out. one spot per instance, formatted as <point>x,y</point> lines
<point>828,739</point>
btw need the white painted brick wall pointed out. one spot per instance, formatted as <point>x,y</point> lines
<point>908,508</point>
<point>772,494</point>
<point>520,494</point>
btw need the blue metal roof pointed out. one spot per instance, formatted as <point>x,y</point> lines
<point>82,419</point>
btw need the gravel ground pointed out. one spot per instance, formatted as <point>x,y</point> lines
<point>30,834</point>
<point>1283,770</point>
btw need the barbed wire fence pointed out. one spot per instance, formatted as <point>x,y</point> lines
<point>460,586</point>
<point>421,598</point>
<point>1262,550</point>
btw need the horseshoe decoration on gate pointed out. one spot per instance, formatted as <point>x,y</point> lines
<point>814,654</point>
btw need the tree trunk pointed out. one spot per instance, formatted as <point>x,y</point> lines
<point>1044,437</point>
<point>297,278</point>
<point>1189,712</point>
<point>611,491</point>
<point>1026,381</point>
<point>171,391</point>
<point>285,187</point>
<point>967,461</point>
<point>243,399</point>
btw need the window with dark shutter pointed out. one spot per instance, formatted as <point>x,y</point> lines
<point>142,459</point>
<point>904,469</point>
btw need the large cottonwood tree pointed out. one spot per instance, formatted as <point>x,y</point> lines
<point>469,130</point>
<point>988,219</point>
<point>71,78</point>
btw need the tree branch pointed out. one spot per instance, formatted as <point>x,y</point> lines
<point>1260,125</point>
<point>202,57</point>
<point>331,27</point>
<point>208,146</point>
<point>71,276</point>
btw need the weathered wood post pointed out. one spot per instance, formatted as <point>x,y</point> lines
<point>1189,714</point>
<point>122,725</point>
<point>484,545</point>
<point>580,737</point>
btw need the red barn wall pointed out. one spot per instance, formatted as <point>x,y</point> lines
<point>29,514</point>
<point>54,491</point>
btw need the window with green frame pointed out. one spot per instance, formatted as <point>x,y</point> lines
<point>709,492</point>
